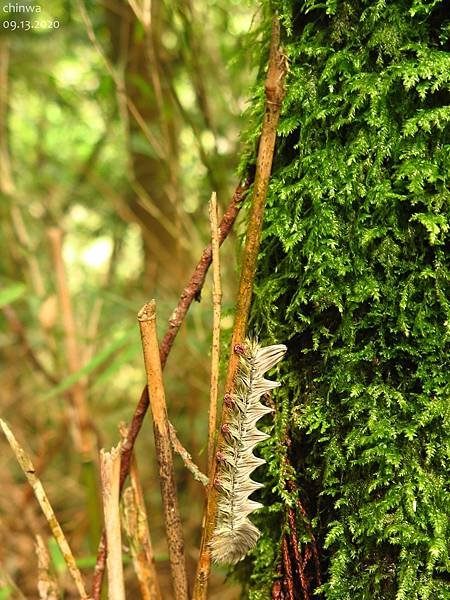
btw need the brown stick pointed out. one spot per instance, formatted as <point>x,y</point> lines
<point>174,533</point>
<point>190,465</point>
<point>274,96</point>
<point>187,296</point>
<point>215,349</point>
<point>136,524</point>
<point>110,473</point>
<point>288,579</point>
<point>292,487</point>
<point>298,564</point>
<point>82,429</point>
<point>30,473</point>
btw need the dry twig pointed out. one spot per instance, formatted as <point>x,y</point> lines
<point>215,350</point>
<point>274,95</point>
<point>27,467</point>
<point>136,525</point>
<point>186,457</point>
<point>135,521</point>
<point>147,324</point>
<point>110,473</point>
<point>81,422</point>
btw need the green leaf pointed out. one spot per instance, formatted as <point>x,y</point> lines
<point>12,293</point>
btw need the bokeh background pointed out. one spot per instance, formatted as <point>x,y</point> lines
<point>117,121</point>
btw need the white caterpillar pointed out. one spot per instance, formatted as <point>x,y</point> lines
<point>234,534</point>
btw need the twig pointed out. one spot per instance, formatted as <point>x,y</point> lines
<point>21,232</point>
<point>215,349</point>
<point>186,457</point>
<point>147,324</point>
<point>47,586</point>
<point>83,433</point>
<point>274,95</point>
<point>137,527</point>
<point>29,471</point>
<point>277,587</point>
<point>190,292</point>
<point>293,488</point>
<point>298,564</point>
<point>110,473</point>
<point>287,580</point>
<point>135,521</point>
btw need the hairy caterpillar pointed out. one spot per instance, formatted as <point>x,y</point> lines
<point>234,534</point>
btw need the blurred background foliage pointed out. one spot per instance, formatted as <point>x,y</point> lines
<point>117,120</point>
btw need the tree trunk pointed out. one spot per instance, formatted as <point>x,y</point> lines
<point>353,277</point>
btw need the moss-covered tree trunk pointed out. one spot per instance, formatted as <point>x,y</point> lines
<point>353,277</point>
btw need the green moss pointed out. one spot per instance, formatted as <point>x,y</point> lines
<point>353,277</point>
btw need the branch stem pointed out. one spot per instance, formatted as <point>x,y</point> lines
<point>215,349</point>
<point>110,473</point>
<point>174,532</point>
<point>30,473</point>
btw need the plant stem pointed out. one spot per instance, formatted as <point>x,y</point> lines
<point>28,468</point>
<point>215,349</point>
<point>288,578</point>
<point>110,473</point>
<point>274,89</point>
<point>136,522</point>
<point>174,533</point>
<point>80,420</point>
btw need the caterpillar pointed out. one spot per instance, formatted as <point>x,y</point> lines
<point>234,534</point>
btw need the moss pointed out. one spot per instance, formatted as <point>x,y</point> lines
<point>353,277</point>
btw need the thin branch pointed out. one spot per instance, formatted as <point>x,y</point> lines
<point>190,292</point>
<point>82,429</point>
<point>174,532</point>
<point>136,525</point>
<point>298,560</point>
<point>21,232</point>
<point>110,474</point>
<point>288,579</point>
<point>215,349</point>
<point>274,88</point>
<point>28,468</point>
<point>186,457</point>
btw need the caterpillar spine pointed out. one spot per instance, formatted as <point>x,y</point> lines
<point>234,534</point>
